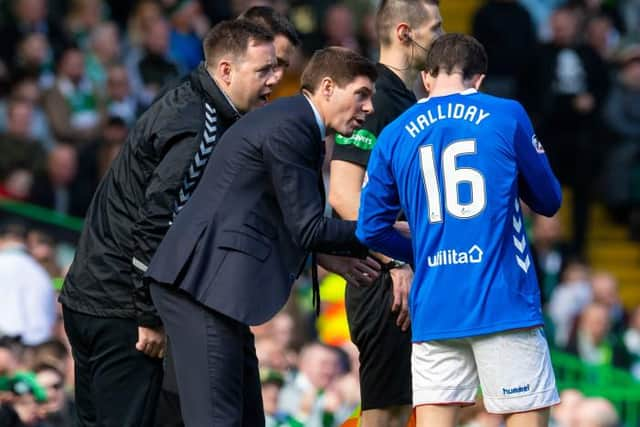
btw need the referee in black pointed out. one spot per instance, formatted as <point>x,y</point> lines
<point>378,315</point>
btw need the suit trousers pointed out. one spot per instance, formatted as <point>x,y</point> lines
<point>215,362</point>
<point>115,384</point>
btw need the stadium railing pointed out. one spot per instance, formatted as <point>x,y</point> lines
<point>614,384</point>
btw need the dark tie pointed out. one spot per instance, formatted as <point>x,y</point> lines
<point>314,260</point>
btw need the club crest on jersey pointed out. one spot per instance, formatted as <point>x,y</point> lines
<point>537,144</point>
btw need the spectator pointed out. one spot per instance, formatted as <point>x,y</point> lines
<point>152,69</point>
<point>42,248</point>
<point>540,11</point>
<point>505,29</point>
<point>72,105</point>
<point>622,116</point>
<point>549,253</point>
<point>303,397</point>
<point>34,58</point>
<point>605,291</point>
<point>27,306</point>
<point>17,138</point>
<point>185,46</point>
<point>631,339</point>
<point>144,13</point>
<point>58,410</point>
<point>94,160</point>
<point>593,342</point>
<point>568,299</point>
<point>23,408</point>
<point>27,89</point>
<point>271,383</point>
<point>596,412</point>
<point>572,84</point>
<point>51,188</point>
<point>28,16</point>
<point>565,414</point>
<point>120,101</point>
<point>104,50</point>
<point>601,35</point>
<point>83,16</point>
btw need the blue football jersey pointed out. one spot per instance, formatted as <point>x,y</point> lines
<point>457,166</point>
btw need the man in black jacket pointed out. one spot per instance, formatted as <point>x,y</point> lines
<point>231,256</point>
<point>108,314</point>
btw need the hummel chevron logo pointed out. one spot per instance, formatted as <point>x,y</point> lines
<point>199,159</point>
<point>183,197</point>
<point>524,265</point>
<point>204,149</point>
<point>517,224</point>
<point>520,244</point>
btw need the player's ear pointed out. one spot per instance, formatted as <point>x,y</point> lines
<point>403,32</point>
<point>427,80</point>
<point>476,81</point>
<point>224,70</point>
<point>327,86</point>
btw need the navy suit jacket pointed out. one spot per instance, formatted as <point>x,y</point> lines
<point>244,236</point>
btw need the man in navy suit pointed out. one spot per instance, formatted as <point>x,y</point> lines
<point>232,254</point>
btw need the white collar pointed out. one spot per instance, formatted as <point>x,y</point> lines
<point>316,113</point>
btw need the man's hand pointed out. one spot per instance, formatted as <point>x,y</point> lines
<point>151,341</point>
<point>401,278</point>
<point>358,272</point>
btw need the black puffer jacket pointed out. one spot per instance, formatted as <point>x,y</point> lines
<point>133,206</point>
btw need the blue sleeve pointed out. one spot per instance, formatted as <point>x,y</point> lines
<point>380,206</point>
<point>539,188</point>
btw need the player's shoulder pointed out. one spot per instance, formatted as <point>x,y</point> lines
<point>504,105</point>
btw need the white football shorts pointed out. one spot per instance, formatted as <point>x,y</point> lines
<point>513,368</point>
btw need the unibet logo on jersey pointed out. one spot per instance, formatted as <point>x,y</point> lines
<point>360,138</point>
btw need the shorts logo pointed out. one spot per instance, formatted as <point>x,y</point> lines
<point>451,257</point>
<point>515,390</point>
<point>537,144</point>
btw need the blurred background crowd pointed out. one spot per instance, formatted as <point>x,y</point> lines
<point>75,75</point>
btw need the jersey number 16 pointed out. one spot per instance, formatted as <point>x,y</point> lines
<point>453,177</point>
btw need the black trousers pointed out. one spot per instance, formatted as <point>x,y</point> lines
<point>115,384</point>
<point>215,363</point>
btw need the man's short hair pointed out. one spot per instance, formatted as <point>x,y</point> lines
<point>273,21</point>
<point>457,53</point>
<point>340,64</point>
<point>392,12</point>
<point>233,37</point>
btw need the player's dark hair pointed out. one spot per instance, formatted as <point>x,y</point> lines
<point>273,21</point>
<point>457,53</point>
<point>340,64</point>
<point>233,37</point>
<point>391,12</point>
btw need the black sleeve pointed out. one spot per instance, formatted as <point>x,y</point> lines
<point>293,167</point>
<point>357,148</point>
<point>154,218</point>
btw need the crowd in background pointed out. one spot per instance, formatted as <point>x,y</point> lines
<point>75,75</point>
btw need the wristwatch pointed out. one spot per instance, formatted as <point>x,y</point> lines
<point>394,263</point>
